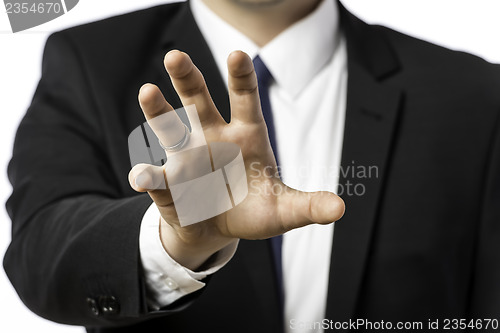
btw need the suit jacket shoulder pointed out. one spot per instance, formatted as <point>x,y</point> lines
<point>439,66</point>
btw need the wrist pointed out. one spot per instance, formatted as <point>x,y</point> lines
<point>190,247</point>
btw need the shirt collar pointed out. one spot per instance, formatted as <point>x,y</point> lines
<point>309,42</point>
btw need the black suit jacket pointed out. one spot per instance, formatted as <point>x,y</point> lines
<point>422,242</point>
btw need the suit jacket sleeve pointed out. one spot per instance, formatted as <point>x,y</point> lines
<point>74,254</point>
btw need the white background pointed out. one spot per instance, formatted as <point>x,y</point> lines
<point>467,25</point>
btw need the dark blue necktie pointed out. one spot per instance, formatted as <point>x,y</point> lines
<point>264,78</point>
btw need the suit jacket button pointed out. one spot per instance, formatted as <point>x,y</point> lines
<point>94,308</point>
<point>109,305</point>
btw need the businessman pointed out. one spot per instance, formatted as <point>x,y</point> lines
<point>406,132</point>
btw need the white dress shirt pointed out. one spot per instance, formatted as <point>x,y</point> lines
<point>308,62</point>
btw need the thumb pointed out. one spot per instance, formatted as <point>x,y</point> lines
<point>298,209</point>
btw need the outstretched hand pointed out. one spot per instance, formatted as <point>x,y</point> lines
<point>270,208</point>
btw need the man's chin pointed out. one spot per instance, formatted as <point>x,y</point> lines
<point>258,3</point>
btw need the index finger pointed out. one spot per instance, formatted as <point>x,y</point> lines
<point>243,90</point>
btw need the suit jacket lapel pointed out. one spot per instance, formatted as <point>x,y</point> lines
<point>371,119</point>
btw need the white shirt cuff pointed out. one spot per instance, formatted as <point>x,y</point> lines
<point>167,280</point>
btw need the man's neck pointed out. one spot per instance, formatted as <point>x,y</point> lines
<point>261,20</point>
